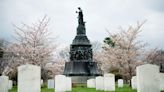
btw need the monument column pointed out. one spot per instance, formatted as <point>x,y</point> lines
<point>81,66</point>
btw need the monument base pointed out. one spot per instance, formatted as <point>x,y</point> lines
<point>80,79</point>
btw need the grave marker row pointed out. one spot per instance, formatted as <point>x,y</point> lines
<point>148,79</point>
<point>106,82</point>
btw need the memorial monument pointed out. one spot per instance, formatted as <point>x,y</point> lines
<point>81,66</point>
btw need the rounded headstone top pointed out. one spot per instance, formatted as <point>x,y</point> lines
<point>28,66</point>
<point>108,75</point>
<point>148,66</point>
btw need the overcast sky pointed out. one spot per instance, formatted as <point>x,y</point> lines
<point>98,14</point>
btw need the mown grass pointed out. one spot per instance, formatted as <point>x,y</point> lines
<point>126,88</point>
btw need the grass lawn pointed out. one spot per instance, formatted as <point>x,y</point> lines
<point>84,89</point>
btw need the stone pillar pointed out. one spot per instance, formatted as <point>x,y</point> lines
<point>60,83</point>
<point>91,83</point>
<point>29,77</point>
<point>10,84</point>
<point>68,84</point>
<point>162,81</point>
<point>120,83</point>
<point>148,78</point>
<point>109,82</point>
<point>4,80</point>
<point>134,82</point>
<point>99,83</point>
<point>41,82</point>
<point>51,84</point>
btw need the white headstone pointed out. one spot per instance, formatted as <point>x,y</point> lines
<point>29,77</point>
<point>120,83</point>
<point>60,83</point>
<point>162,81</point>
<point>148,78</point>
<point>91,83</point>
<point>10,84</point>
<point>109,82</point>
<point>51,83</point>
<point>4,80</point>
<point>68,84</point>
<point>99,83</point>
<point>41,82</point>
<point>134,82</point>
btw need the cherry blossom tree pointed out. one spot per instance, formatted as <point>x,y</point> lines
<point>123,51</point>
<point>156,56</point>
<point>34,46</point>
<point>3,63</point>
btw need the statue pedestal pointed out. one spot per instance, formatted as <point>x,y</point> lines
<point>80,72</point>
<point>80,79</point>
